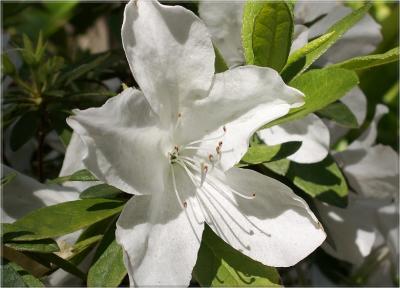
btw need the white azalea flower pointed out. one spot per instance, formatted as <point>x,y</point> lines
<point>174,144</point>
<point>371,218</point>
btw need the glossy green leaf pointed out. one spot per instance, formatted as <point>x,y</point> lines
<point>108,269</point>
<point>321,87</point>
<point>301,59</point>
<point>13,275</point>
<point>339,113</point>
<point>267,33</point>
<point>81,175</point>
<point>40,246</point>
<point>369,61</point>
<point>24,130</point>
<point>323,180</point>
<point>61,219</point>
<point>218,264</point>
<point>100,191</point>
<point>263,153</point>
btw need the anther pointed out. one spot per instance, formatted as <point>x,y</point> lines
<point>179,115</point>
<point>224,128</point>
<point>184,204</point>
<point>211,158</point>
<point>176,148</point>
<point>220,143</point>
<point>254,194</point>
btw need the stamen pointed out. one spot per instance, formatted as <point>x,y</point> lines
<point>224,128</point>
<point>215,186</point>
<point>183,206</point>
<point>211,158</point>
<point>204,170</point>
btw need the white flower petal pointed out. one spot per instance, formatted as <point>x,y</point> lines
<point>73,162</point>
<point>388,221</point>
<point>160,238</point>
<point>353,229</point>
<point>241,99</point>
<point>361,39</point>
<point>276,227</point>
<point>224,21</point>
<point>310,130</point>
<point>368,138</point>
<point>305,11</point>
<point>169,52</point>
<point>24,194</point>
<point>372,172</point>
<point>356,101</point>
<point>123,143</point>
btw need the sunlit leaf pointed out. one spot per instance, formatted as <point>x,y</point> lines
<point>218,264</point>
<point>267,33</point>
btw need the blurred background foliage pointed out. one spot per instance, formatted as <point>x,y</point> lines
<point>57,56</point>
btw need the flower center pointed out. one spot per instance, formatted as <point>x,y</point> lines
<point>198,165</point>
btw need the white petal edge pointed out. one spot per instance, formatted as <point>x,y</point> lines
<point>310,130</point>
<point>160,238</point>
<point>169,52</point>
<point>275,228</point>
<point>124,146</point>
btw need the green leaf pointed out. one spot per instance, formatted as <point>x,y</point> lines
<point>267,33</point>
<point>263,153</point>
<point>40,246</point>
<point>100,191</point>
<point>218,264</point>
<point>321,87</point>
<point>339,113</point>
<point>323,180</point>
<point>87,243</point>
<point>59,262</point>
<point>14,275</point>
<point>24,130</point>
<point>61,219</point>
<point>10,276</point>
<point>108,269</point>
<point>301,59</point>
<point>7,65</point>
<point>369,61</point>
<point>81,175</point>
<point>83,69</point>
<point>220,65</point>
<point>28,53</point>
<point>8,178</point>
